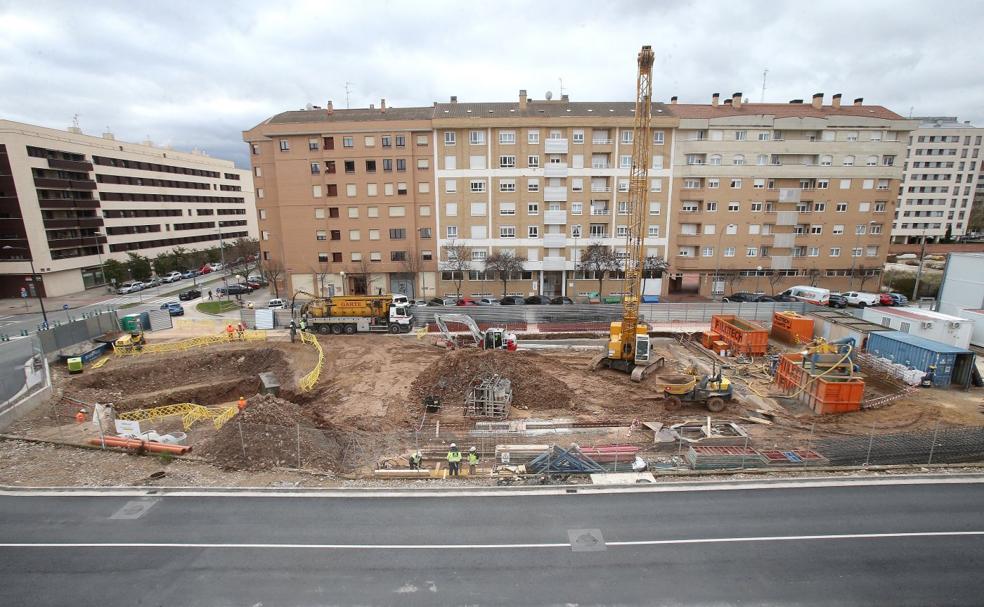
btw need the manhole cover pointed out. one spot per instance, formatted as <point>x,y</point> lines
<point>586,540</point>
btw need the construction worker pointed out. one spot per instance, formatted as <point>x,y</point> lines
<point>210,294</point>
<point>303,323</point>
<point>229,331</point>
<point>249,305</point>
<point>472,461</point>
<point>454,460</point>
<point>293,331</point>
<point>240,330</point>
<point>242,403</point>
<point>80,416</point>
<point>415,460</point>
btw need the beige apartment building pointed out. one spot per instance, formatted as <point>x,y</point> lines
<point>70,201</point>
<point>737,190</point>
<point>345,199</point>
<point>942,174</point>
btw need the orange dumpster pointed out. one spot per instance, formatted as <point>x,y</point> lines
<point>743,336</point>
<point>792,328</point>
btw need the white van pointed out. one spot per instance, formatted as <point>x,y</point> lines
<point>813,295</point>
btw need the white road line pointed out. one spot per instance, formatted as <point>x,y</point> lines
<point>712,540</point>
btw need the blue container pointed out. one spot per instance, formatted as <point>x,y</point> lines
<point>650,299</point>
<point>953,365</point>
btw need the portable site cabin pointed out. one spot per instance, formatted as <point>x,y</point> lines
<point>943,328</point>
<point>962,291</point>
<point>954,366</point>
<point>833,325</point>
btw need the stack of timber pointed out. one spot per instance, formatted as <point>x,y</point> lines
<point>718,458</point>
<point>793,457</point>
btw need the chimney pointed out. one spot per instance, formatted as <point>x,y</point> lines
<point>727,102</point>
<point>836,101</point>
<point>736,100</point>
<point>372,106</point>
<point>74,129</point>
<point>817,102</point>
<point>329,107</point>
<point>522,99</point>
<point>859,101</point>
<point>382,105</point>
<point>673,100</point>
<point>108,134</point>
<point>714,98</point>
<point>795,101</point>
<point>454,99</point>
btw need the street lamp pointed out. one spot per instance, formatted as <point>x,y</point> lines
<point>343,283</point>
<point>102,270</point>
<point>758,275</point>
<point>34,277</point>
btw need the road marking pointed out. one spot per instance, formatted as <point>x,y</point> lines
<point>134,509</point>
<point>709,540</point>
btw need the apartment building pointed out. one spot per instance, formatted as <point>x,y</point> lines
<point>736,190</point>
<point>542,179</point>
<point>345,199</point>
<point>942,176</point>
<point>802,192</point>
<point>70,201</point>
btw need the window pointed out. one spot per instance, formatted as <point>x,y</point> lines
<point>658,137</point>
<point>401,164</point>
<point>397,211</point>
<point>621,231</point>
<point>423,187</point>
<point>626,136</point>
<point>739,159</point>
<point>449,138</point>
<point>254,148</point>
<point>451,186</point>
<point>762,159</point>
<point>476,185</point>
<point>705,252</point>
<point>354,235</point>
<point>507,185</point>
<point>507,231</point>
<point>764,136</point>
<point>533,161</point>
<point>819,207</point>
<point>577,136</point>
<point>577,184</point>
<point>741,135</point>
<point>316,191</point>
<point>425,233</point>
<point>876,228</point>
<point>423,164</point>
<point>507,137</point>
<point>257,171</point>
<point>349,166</point>
<point>882,184</point>
<point>813,252</point>
<point>711,206</point>
<point>848,161</point>
<point>864,207</point>
<point>348,142</point>
<point>422,140</point>
<point>333,212</point>
<point>625,161</point>
<point>350,190</point>
<point>507,208</point>
<point>655,185</point>
<point>387,141</point>
<point>533,136</point>
<point>452,232</point>
<point>507,162</point>
<point>826,160</point>
<point>533,232</point>
<point>735,183</point>
<point>370,166</point>
<point>652,231</point>
<point>401,141</point>
<point>372,212</point>
<point>845,184</point>
<point>321,235</point>
<point>714,160</point>
<point>823,184</point>
<point>838,229</point>
<point>284,145</point>
<point>476,137</point>
<point>756,207</point>
<point>751,251</point>
<point>713,183</point>
<point>758,184</point>
<point>871,251</point>
<point>353,212</point>
<point>861,229</point>
<point>733,207</point>
<point>729,251</point>
<point>841,207</point>
<point>754,229</point>
<point>478,209</point>
<point>852,135</point>
<point>868,184</point>
<point>398,233</point>
<point>532,185</point>
<point>533,208</point>
<point>691,184</point>
<point>623,207</point>
<point>373,234</point>
<point>388,189</point>
<point>816,230</point>
<point>880,207</point>
<point>577,208</point>
<point>479,255</point>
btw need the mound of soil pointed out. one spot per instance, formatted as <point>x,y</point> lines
<point>534,384</point>
<point>271,432</point>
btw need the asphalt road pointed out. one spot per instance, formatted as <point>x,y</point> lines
<point>13,355</point>
<point>854,545</point>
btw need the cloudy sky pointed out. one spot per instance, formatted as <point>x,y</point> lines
<point>196,74</point>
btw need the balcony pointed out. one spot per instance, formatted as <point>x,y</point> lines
<point>555,169</point>
<point>600,141</point>
<point>555,146</point>
<point>787,218</point>
<point>554,218</point>
<point>784,241</point>
<point>70,165</point>
<point>553,263</point>
<point>64,184</point>
<point>600,188</point>
<point>81,222</point>
<point>600,211</point>
<point>601,165</point>
<point>555,194</point>
<point>597,234</point>
<point>62,243</point>
<point>554,241</point>
<point>63,203</point>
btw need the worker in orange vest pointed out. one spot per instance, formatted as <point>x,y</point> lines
<point>242,403</point>
<point>229,331</point>
<point>80,417</point>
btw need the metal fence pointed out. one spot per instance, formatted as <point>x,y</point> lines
<point>23,372</point>
<point>941,445</point>
<point>78,331</point>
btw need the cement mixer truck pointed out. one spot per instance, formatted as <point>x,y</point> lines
<point>358,314</point>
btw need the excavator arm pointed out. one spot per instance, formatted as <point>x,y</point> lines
<point>442,321</point>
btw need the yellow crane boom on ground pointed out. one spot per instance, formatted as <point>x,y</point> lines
<point>628,344</point>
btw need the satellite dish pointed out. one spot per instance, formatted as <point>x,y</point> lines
<point>548,95</point>
<point>309,107</point>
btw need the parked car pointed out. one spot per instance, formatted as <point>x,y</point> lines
<point>450,301</point>
<point>562,301</point>
<point>861,299</point>
<point>253,285</point>
<point>258,279</point>
<point>884,299</point>
<point>741,296</point>
<point>173,277</point>
<point>837,300</point>
<point>131,286</point>
<point>436,301</point>
<point>418,303</point>
<point>233,289</point>
<point>205,269</point>
<point>537,300</point>
<point>899,299</point>
<point>189,295</point>
<point>512,300</point>
<point>245,285</point>
<point>277,304</point>
<point>191,274</point>
<point>152,282</point>
<point>215,266</point>
<point>814,295</point>
<point>466,301</point>
<point>173,308</point>
<point>488,301</point>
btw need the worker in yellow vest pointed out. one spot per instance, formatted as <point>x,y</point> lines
<point>454,460</point>
<point>472,461</point>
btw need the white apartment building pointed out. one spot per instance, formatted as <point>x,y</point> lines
<point>943,168</point>
<point>70,201</point>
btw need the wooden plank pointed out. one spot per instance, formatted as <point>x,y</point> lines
<point>401,473</point>
<point>757,420</point>
<point>654,426</point>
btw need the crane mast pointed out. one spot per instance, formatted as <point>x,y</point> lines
<point>635,260</point>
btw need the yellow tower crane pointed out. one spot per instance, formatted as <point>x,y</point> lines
<point>628,344</point>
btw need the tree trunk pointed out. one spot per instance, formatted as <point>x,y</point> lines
<point>601,285</point>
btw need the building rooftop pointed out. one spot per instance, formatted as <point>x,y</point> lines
<point>921,342</point>
<point>942,122</point>
<point>918,314</point>
<point>356,115</point>
<point>780,110</point>
<point>544,109</point>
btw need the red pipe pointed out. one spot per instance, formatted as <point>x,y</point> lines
<point>129,443</point>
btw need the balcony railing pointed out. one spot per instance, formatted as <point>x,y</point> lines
<point>598,212</point>
<point>554,218</point>
<point>601,188</point>
<point>600,141</point>
<point>64,184</point>
<point>600,165</point>
<point>554,241</point>
<point>554,263</point>
<point>555,193</point>
<point>70,165</point>
<point>555,146</point>
<point>597,234</point>
<point>555,169</point>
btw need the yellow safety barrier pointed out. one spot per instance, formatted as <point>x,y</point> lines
<point>99,363</point>
<point>189,344</point>
<point>189,412</point>
<point>307,382</point>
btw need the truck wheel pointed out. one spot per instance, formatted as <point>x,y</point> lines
<point>672,403</point>
<point>862,305</point>
<point>336,329</point>
<point>715,404</point>
<point>349,329</point>
<point>324,329</point>
<point>394,329</point>
<point>407,329</point>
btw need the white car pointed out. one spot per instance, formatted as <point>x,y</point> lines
<point>130,287</point>
<point>277,304</point>
<point>861,299</point>
<point>215,266</point>
<point>172,277</point>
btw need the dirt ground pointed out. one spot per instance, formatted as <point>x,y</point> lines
<point>367,406</point>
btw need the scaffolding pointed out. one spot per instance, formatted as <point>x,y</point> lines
<point>489,396</point>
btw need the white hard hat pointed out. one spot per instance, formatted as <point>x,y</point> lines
<point>453,445</point>
<point>472,449</point>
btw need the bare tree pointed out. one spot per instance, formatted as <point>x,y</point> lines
<point>363,277</point>
<point>599,259</point>
<point>458,262</point>
<point>653,267</point>
<point>274,270</point>
<point>321,273</point>
<point>775,277</point>
<point>506,263</point>
<point>813,275</point>
<point>411,266</point>
<point>731,280</point>
<point>864,274</point>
